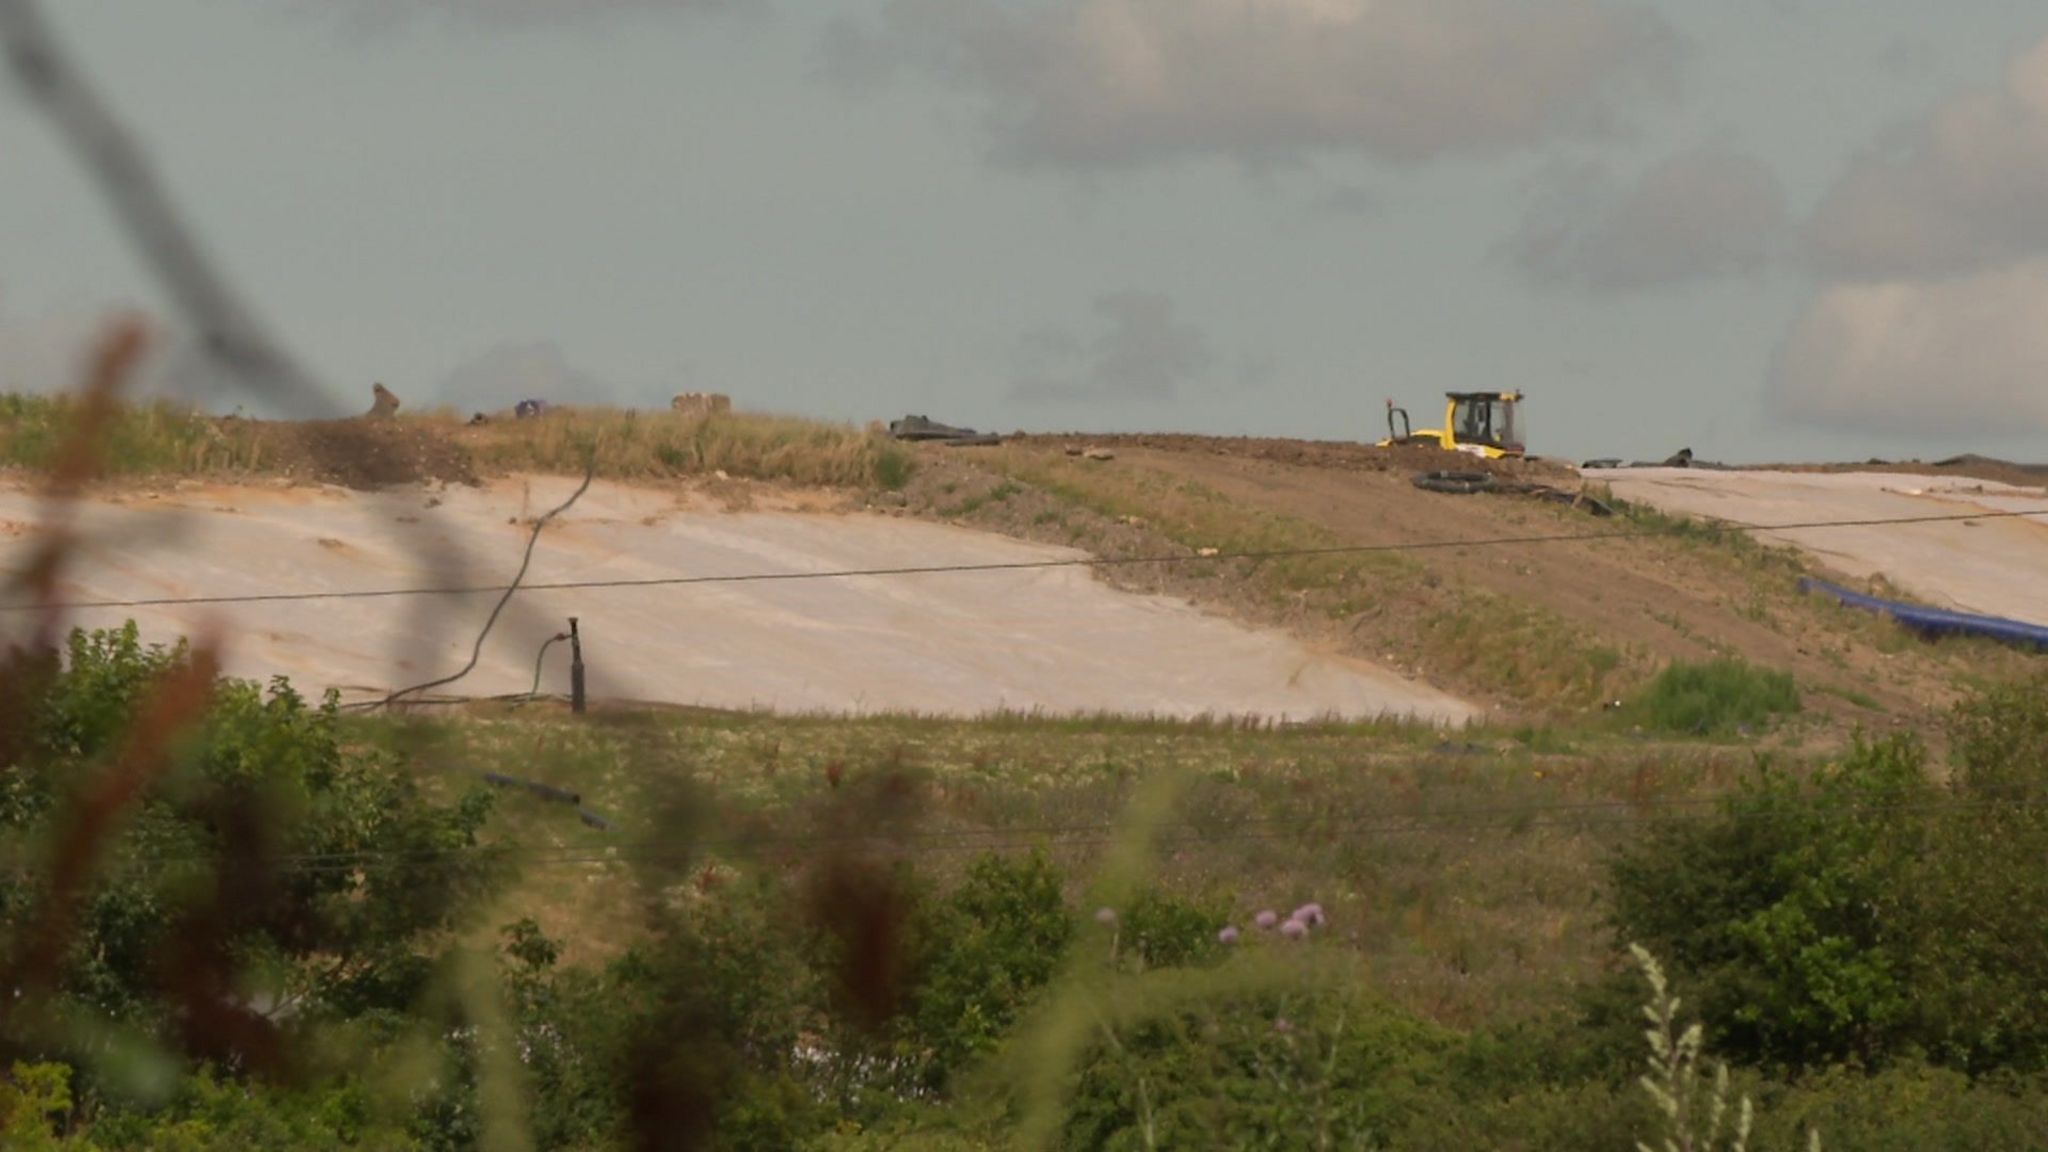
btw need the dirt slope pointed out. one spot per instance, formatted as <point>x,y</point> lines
<point>1555,607</point>
<point>1323,455</point>
<point>1631,592</point>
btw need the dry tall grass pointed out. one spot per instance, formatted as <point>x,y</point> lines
<point>164,439</point>
<point>665,443</point>
<point>160,438</point>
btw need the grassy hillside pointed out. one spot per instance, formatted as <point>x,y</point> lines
<point>1459,870</point>
<point>1463,986</point>
<point>1016,933</point>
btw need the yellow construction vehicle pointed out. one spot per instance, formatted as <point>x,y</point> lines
<point>1487,424</point>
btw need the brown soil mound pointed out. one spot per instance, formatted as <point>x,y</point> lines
<point>371,454</point>
<point>1329,455</point>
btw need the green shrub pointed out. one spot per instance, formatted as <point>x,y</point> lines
<point>2000,742</point>
<point>1910,1107</point>
<point>1981,900</point>
<point>1159,930</point>
<point>1868,914</point>
<point>1716,698</point>
<point>893,468</point>
<point>1783,912</point>
<point>696,1034</point>
<point>733,1002</point>
<point>214,1114</point>
<point>227,866</point>
<point>985,951</point>
<point>34,1100</point>
<point>1324,1066</point>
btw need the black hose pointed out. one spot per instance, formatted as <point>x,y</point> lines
<point>476,652</point>
<point>538,660</point>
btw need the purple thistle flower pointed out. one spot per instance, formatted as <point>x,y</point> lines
<point>1228,935</point>
<point>1266,919</point>
<point>1105,916</point>
<point>1311,915</point>
<point>1281,1025</point>
<point>1294,929</point>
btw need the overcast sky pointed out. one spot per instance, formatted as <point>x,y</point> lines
<point>1766,229</point>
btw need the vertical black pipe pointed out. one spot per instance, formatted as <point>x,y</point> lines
<point>575,668</point>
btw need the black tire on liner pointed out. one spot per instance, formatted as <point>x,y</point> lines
<point>1454,483</point>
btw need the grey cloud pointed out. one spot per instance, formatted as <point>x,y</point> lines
<point>1141,353</point>
<point>1352,200</point>
<point>1936,245</point>
<point>1106,83</point>
<point>511,372</point>
<point>1049,364</point>
<point>1959,355</point>
<point>1564,197</point>
<point>1706,212</point>
<point>386,16</point>
<point>1257,369</point>
<point>1909,57</point>
<point>854,58</point>
<point>1965,188</point>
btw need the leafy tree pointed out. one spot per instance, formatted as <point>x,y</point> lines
<point>983,954</point>
<point>33,1099</point>
<point>1981,900</point>
<point>1869,914</point>
<point>264,878</point>
<point>1785,911</point>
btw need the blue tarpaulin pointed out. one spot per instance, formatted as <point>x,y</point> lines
<point>1936,621</point>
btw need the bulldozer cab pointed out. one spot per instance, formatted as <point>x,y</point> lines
<point>1485,420</point>
<point>1485,424</point>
